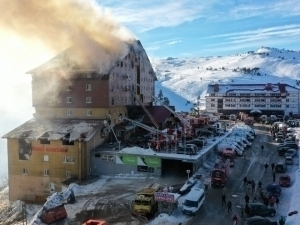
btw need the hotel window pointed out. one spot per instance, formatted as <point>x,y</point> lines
<point>88,99</point>
<point>212,94</point>
<point>88,87</point>
<point>89,113</point>
<point>287,106</point>
<point>244,100</point>
<point>69,112</point>
<point>68,159</point>
<point>212,100</point>
<point>24,171</point>
<point>68,88</point>
<point>46,158</point>
<point>46,172</point>
<point>112,101</point>
<point>212,105</point>
<point>88,75</point>
<point>232,105</point>
<point>68,174</point>
<point>50,112</point>
<point>69,100</point>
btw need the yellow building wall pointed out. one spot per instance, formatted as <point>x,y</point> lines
<point>34,184</point>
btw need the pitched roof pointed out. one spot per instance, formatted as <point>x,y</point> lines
<point>75,60</point>
<point>160,114</point>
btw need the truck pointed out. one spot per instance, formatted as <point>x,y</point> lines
<point>230,154</point>
<point>54,214</point>
<point>220,173</point>
<point>95,222</point>
<point>144,203</point>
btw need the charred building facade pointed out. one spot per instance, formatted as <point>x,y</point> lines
<point>71,101</point>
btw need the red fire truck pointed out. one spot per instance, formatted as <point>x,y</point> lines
<point>229,153</point>
<point>220,173</point>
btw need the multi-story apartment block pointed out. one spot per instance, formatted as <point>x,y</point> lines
<point>278,99</point>
<point>71,102</point>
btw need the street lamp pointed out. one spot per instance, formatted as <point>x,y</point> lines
<point>188,172</point>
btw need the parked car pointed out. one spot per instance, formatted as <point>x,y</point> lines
<point>282,150</point>
<point>202,139</point>
<point>198,143</point>
<point>259,209</point>
<point>205,133</point>
<point>289,160</point>
<point>188,150</point>
<point>280,167</point>
<point>285,181</point>
<point>279,139</point>
<point>258,220</point>
<point>291,145</point>
<point>290,152</point>
<point>272,189</point>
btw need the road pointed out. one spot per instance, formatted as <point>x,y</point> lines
<point>212,211</point>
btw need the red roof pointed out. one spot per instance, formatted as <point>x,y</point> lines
<point>160,114</point>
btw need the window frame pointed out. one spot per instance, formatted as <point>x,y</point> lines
<point>46,173</point>
<point>69,112</point>
<point>46,157</point>
<point>88,87</point>
<point>88,100</point>
<point>89,112</point>
<point>69,99</point>
<point>24,171</point>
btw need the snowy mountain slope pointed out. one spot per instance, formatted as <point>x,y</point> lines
<point>189,77</point>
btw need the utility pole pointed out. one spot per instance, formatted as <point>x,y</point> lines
<point>198,105</point>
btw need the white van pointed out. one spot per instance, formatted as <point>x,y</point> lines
<point>193,201</point>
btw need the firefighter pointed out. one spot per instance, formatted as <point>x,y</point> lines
<point>223,199</point>
<point>245,181</point>
<point>229,204</point>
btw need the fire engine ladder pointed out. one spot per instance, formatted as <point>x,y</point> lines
<point>151,129</point>
<point>147,112</point>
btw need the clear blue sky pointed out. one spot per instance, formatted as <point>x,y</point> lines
<point>209,27</point>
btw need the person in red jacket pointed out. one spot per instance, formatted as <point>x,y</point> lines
<point>234,219</point>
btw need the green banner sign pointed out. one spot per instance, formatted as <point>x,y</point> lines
<point>138,160</point>
<point>149,161</point>
<point>127,159</point>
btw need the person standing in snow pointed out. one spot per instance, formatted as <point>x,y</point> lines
<point>266,167</point>
<point>274,177</point>
<point>262,148</point>
<point>253,186</point>
<point>259,184</point>
<point>223,199</point>
<point>229,204</point>
<point>277,201</point>
<point>247,198</point>
<point>245,181</point>
<point>273,166</point>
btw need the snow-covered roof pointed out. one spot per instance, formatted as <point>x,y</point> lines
<point>246,88</point>
<point>56,129</point>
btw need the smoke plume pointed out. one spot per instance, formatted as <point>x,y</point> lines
<point>59,24</point>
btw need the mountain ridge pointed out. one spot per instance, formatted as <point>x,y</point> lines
<point>188,77</point>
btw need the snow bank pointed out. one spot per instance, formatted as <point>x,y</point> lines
<point>138,150</point>
<point>164,219</point>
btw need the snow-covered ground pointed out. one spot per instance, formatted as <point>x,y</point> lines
<point>184,79</point>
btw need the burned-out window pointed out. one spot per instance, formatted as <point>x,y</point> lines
<point>67,142</point>
<point>44,141</point>
<point>25,149</point>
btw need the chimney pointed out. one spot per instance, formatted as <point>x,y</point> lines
<point>281,88</point>
<point>216,88</point>
<point>268,87</point>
